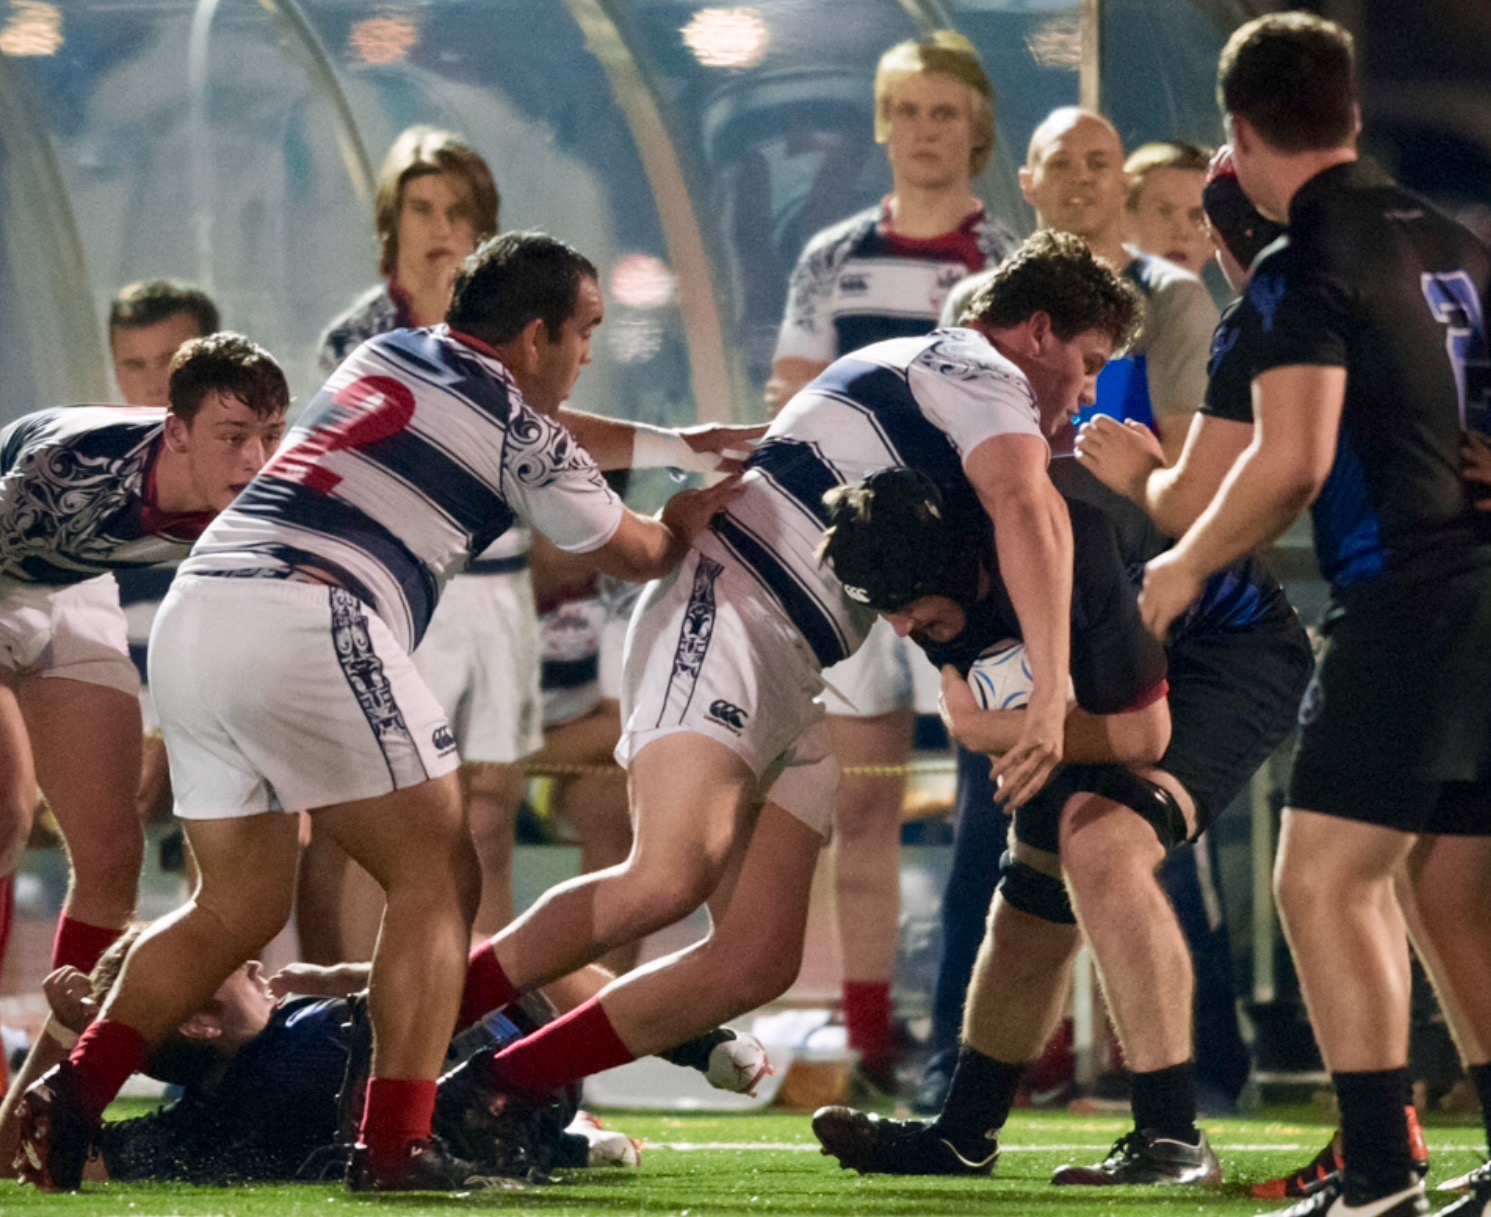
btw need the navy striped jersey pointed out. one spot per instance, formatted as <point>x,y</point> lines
<point>417,453</point>
<point>75,491</point>
<point>1375,280</point>
<point>925,403</point>
<point>860,282</point>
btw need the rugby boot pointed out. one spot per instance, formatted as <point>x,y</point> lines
<point>1344,1196</point>
<point>874,1145</point>
<point>55,1136</point>
<point>1477,1201</point>
<point>1142,1157</point>
<point>427,1167</point>
<point>1468,1181</point>
<point>1327,1164</point>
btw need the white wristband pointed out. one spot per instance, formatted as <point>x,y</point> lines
<point>663,448</point>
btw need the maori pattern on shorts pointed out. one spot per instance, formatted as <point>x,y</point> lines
<point>369,684</point>
<point>693,639</point>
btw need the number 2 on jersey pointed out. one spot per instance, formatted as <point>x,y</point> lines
<point>373,408</point>
<point>1456,305</point>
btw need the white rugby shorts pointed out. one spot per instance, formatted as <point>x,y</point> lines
<point>76,631</point>
<point>711,654</point>
<point>277,695</point>
<point>480,658</point>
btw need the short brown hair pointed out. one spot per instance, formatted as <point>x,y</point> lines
<point>1055,273</point>
<point>947,53</point>
<point>420,151</point>
<point>231,364</point>
<point>1162,154</point>
<point>1291,76</point>
<point>149,302</point>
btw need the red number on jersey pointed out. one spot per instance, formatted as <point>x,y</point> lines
<point>379,408</point>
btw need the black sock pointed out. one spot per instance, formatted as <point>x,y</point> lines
<point>1481,1076</point>
<point>695,1053</point>
<point>980,1095</point>
<point>1374,1131</point>
<point>1165,1102</point>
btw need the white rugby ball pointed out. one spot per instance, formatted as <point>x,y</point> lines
<point>1000,678</point>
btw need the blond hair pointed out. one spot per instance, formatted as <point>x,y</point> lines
<point>946,53</point>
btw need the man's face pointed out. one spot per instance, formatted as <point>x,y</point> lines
<point>437,229</point>
<point>930,143</point>
<point>225,444</point>
<point>143,354</point>
<point>245,1004</point>
<point>931,618</point>
<point>1075,180</point>
<point>1064,375</point>
<point>1169,220</point>
<point>547,386</point>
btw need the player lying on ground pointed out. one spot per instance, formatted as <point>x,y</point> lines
<point>1085,850</point>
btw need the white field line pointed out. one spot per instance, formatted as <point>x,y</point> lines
<point>801,1147</point>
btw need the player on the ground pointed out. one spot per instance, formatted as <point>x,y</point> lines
<point>731,781</point>
<point>1366,364</point>
<point>1235,677</point>
<point>884,273</point>
<point>282,672</point>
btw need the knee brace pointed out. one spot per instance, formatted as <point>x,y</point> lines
<point>1151,802</point>
<point>1033,892</point>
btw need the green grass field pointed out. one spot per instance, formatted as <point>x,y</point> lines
<point>703,1166</point>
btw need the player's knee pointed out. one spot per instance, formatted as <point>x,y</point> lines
<point>108,859</point>
<point>1034,893</point>
<point>756,973</point>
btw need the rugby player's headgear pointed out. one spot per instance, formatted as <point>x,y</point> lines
<point>1231,213</point>
<point>895,537</point>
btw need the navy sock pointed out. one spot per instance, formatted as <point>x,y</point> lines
<point>1374,1131</point>
<point>980,1095</point>
<point>1165,1102</point>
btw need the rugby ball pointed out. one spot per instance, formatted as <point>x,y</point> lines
<point>1000,678</point>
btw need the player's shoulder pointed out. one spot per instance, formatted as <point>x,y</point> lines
<point>830,246</point>
<point>960,354</point>
<point>88,429</point>
<point>373,312</point>
<point>996,240</point>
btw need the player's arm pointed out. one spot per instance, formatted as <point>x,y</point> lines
<point>1297,411</point>
<point>314,980</point>
<point>1130,737</point>
<point>617,444</point>
<point>1033,541</point>
<point>1129,460</point>
<point>647,547</point>
<point>1475,453</point>
<point>788,375</point>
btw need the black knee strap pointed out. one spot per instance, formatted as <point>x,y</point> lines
<point>1034,892</point>
<point>1151,802</point>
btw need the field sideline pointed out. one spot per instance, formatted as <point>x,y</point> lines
<point>721,1166</point>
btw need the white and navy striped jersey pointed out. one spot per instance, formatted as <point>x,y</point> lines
<point>417,453</point>
<point>75,491</point>
<point>921,402</point>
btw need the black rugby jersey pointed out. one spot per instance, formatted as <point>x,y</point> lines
<point>1376,280</point>
<point>1229,367</point>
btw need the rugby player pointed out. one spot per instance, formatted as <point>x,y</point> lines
<point>1102,827</point>
<point>1366,365</point>
<point>282,673</point>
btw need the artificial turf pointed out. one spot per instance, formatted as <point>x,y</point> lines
<point>722,1166</point>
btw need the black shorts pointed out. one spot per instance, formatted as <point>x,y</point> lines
<point>1396,725</point>
<point>1234,697</point>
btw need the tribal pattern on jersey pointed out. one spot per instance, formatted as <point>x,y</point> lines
<point>72,487</point>
<point>693,642</point>
<point>924,403</point>
<point>860,282</point>
<point>369,684</point>
<point>376,311</point>
<point>417,454</point>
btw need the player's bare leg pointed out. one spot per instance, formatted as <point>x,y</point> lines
<point>867,877</point>
<point>17,780</point>
<point>493,794</point>
<point>689,794</point>
<point>1334,882</point>
<point>86,741</point>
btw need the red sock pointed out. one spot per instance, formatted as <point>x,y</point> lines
<point>102,1060</point>
<point>487,986</point>
<point>80,944</point>
<point>867,1018</point>
<point>581,1043</point>
<point>397,1114</point>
